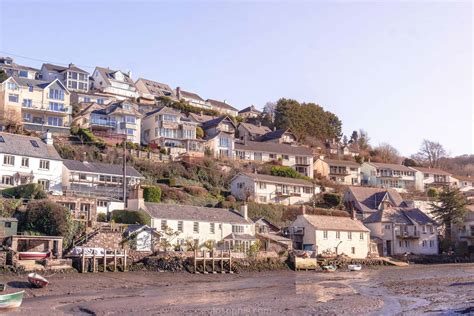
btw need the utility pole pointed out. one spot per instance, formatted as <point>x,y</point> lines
<point>124,168</point>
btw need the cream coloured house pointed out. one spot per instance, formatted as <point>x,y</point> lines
<point>40,105</point>
<point>73,77</point>
<point>463,232</point>
<point>267,189</point>
<point>192,99</point>
<point>113,82</point>
<point>433,177</point>
<point>385,175</point>
<point>331,235</point>
<point>345,172</point>
<point>223,227</point>
<point>219,137</point>
<point>403,230</point>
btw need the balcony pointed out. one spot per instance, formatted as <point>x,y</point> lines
<point>103,124</point>
<point>466,235</point>
<point>46,109</point>
<point>407,234</point>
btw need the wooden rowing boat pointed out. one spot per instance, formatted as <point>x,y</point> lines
<point>33,255</point>
<point>354,267</point>
<point>37,280</point>
<point>11,300</point>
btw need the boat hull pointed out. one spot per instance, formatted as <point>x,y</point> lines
<point>33,255</point>
<point>37,280</point>
<point>12,300</point>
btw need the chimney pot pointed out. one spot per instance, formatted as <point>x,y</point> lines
<point>47,138</point>
<point>244,211</point>
<point>303,209</point>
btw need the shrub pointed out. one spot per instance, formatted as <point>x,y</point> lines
<point>231,199</point>
<point>287,172</point>
<point>432,193</point>
<point>131,217</point>
<point>195,190</point>
<point>333,200</point>
<point>173,194</point>
<point>102,217</point>
<point>31,191</point>
<point>199,132</point>
<point>152,194</point>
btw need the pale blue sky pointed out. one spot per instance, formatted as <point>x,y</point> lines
<point>400,70</point>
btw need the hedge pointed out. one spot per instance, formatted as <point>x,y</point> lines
<point>152,194</point>
<point>131,217</point>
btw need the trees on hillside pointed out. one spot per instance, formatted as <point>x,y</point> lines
<point>430,153</point>
<point>307,120</point>
<point>387,153</point>
<point>450,208</point>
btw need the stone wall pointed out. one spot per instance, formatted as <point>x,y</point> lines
<point>107,240</point>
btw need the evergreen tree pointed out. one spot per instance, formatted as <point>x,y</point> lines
<point>450,208</point>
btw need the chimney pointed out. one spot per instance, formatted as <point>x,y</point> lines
<point>244,211</point>
<point>178,93</point>
<point>129,74</point>
<point>225,101</point>
<point>47,138</point>
<point>71,65</point>
<point>353,213</point>
<point>303,209</point>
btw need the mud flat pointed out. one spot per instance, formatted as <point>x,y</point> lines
<point>420,289</point>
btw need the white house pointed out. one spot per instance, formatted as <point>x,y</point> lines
<point>464,231</point>
<point>219,136</point>
<point>114,82</point>
<point>222,107</point>
<point>330,235</point>
<point>27,159</point>
<point>265,189</point>
<point>223,227</point>
<point>192,99</point>
<point>118,118</point>
<point>282,136</point>
<point>433,177</point>
<point>13,69</point>
<point>142,237</point>
<point>403,230</point>
<point>345,172</point>
<point>95,179</point>
<point>152,90</point>
<point>297,157</point>
<point>249,112</point>
<point>74,78</point>
<point>385,175</point>
<point>465,183</point>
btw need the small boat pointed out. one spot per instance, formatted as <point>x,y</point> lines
<point>3,287</point>
<point>329,268</point>
<point>37,280</point>
<point>33,255</point>
<point>11,300</point>
<point>354,267</point>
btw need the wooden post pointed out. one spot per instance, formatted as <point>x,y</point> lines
<point>83,261</point>
<point>105,260</point>
<point>213,261</point>
<point>204,261</point>
<point>230,261</point>
<point>115,260</point>
<point>93,263</point>
<point>195,261</point>
<point>125,261</point>
<point>222,261</point>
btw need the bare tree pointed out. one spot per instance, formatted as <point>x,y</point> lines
<point>269,111</point>
<point>387,153</point>
<point>430,153</point>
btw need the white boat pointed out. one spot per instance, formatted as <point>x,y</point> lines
<point>354,267</point>
<point>11,300</point>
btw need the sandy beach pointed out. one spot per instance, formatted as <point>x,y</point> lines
<point>420,289</point>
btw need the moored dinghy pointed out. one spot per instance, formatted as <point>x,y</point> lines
<point>11,300</point>
<point>37,280</point>
<point>354,267</point>
<point>329,268</point>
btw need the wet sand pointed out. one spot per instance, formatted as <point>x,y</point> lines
<point>433,289</point>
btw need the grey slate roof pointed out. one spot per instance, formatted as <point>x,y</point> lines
<point>432,171</point>
<point>191,95</point>
<point>281,180</point>
<point>194,213</point>
<point>157,88</point>
<point>25,82</point>
<point>400,215</point>
<point>220,104</point>
<point>21,145</point>
<point>234,236</point>
<point>200,118</point>
<point>216,121</point>
<point>51,67</point>
<point>249,109</point>
<point>334,162</point>
<point>255,129</point>
<point>273,135</point>
<point>391,166</point>
<point>108,74</point>
<point>325,222</point>
<point>368,199</point>
<point>274,148</point>
<point>119,106</point>
<point>100,168</point>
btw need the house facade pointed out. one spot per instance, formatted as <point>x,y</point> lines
<point>331,235</point>
<point>88,97</point>
<point>74,78</point>
<point>250,112</point>
<point>344,172</point>
<point>114,82</point>
<point>463,232</point>
<point>267,189</point>
<point>171,130</point>
<point>403,230</point>
<point>465,183</point>
<point>219,137</point>
<point>223,228</point>
<point>27,159</point>
<point>98,180</point>
<point>192,99</point>
<point>281,136</point>
<point>14,70</point>
<point>384,175</point>
<point>151,90</point>
<point>40,105</point>
<point>118,118</point>
<point>222,107</point>
<point>248,131</point>
<point>297,157</point>
<point>434,178</point>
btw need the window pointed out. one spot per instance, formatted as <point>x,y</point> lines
<point>55,121</point>
<point>338,235</point>
<point>353,250</point>
<point>82,176</point>
<point>169,118</point>
<point>44,164</point>
<point>130,131</point>
<point>272,156</point>
<point>349,235</point>
<point>400,244</point>
<point>163,224</point>
<point>196,227</point>
<point>44,183</point>
<point>424,229</point>
<point>240,185</point>
<point>56,107</point>
<point>7,180</point>
<point>237,229</point>
<point>223,142</point>
<point>25,162</point>
<point>431,243</point>
<point>308,190</point>
<point>262,199</point>
<point>27,117</point>
<point>12,86</point>
<point>406,243</point>
<point>27,103</point>
<point>387,226</point>
<point>87,99</point>
<point>431,229</point>
<point>102,203</point>
<point>130,119</point>
<point>212,228</point>
<point>423,243</point>
<point>56,94</point>
<point>262,185</point>
<point>361,236</point>
<point>2,140</point>
<point>285,157</point>
<point>8,160</point>
<point>30,88</point>
<point>8,224</point>
<point>13,98</point>
<point>100,101</point>
<point>325,234</point>
<point>180,226</point>
<point>34,143</point>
